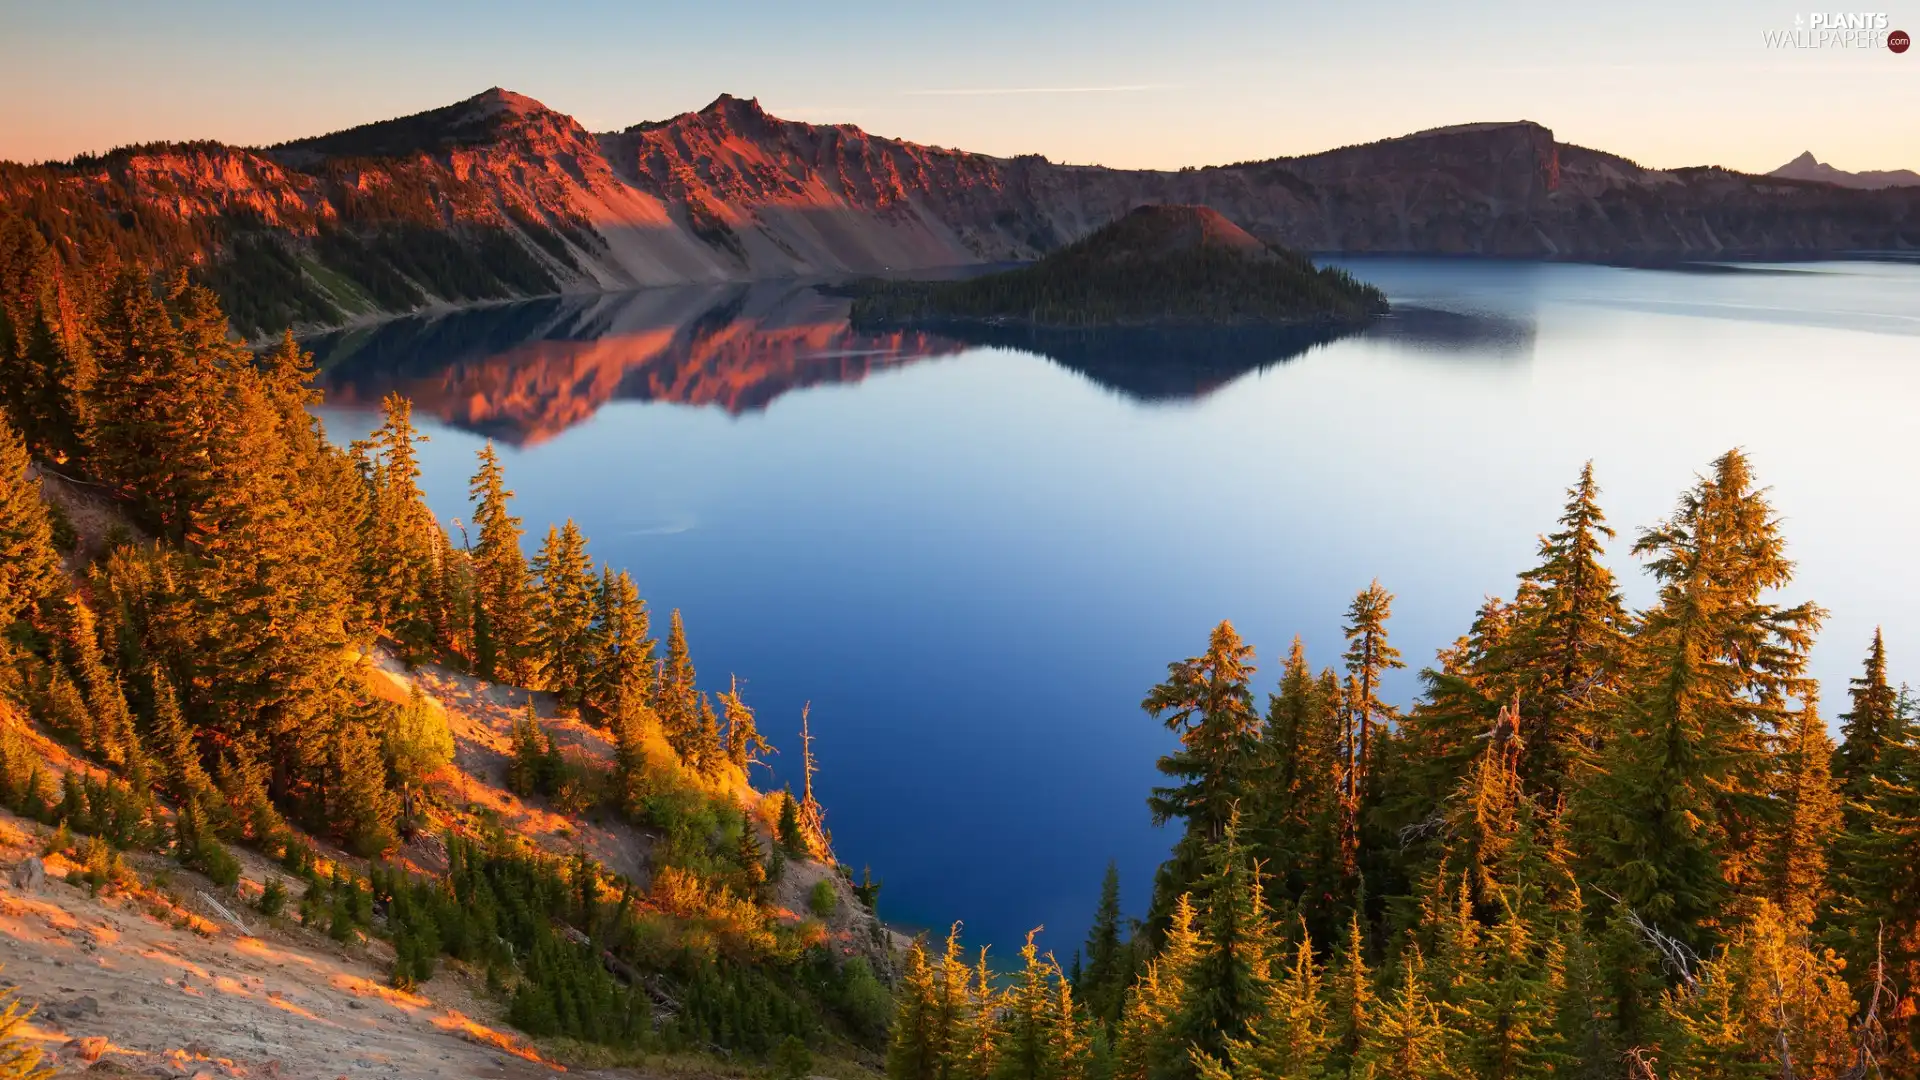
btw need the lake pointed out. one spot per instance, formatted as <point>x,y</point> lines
<point>973,558</point>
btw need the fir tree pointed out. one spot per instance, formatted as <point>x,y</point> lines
<point>1677,819</point>
<point>1808,820</point>
<point>1147,1047</point>
<point>1228,982</point>
<point>1103,982</point>
<point>29,566</point>
<point>914,1050</point>
<point>1292,1033</point>
<point>19,1057</point>
<point>1207,702</point>
<point>676,695</point>
<point>1406,1039</point>
<point>1571,646</point>
<point>503,608</point>
<point>1368,657</point>
<point>1871,730</point>
<point>401,547</point>
<point>1029,1047</point>
<point>568,604</point>
<point>1352,1004</point>
<point>623,676</point>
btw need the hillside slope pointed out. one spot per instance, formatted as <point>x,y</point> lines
<point>499,197</point>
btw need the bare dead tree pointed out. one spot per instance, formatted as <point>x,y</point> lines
<point>1870,1034</point>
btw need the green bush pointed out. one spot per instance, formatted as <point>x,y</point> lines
<point>273,898</point>
<point>824,899</point>
<point>792,1060</point>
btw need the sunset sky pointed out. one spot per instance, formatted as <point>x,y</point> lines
<point>1118,82</point>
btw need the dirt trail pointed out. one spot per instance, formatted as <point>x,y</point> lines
<point>171,1000</point>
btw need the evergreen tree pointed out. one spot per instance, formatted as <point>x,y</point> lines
<point>1103,982</point>
<point>1368,657</point>
<point>1228,983</point>
<point>401,547</point>
<point>19,1057</point>
<point>1406,1040</point>
<point>1352,1004</point>
<point>1677,817</point>
<point>504,627</point>
<point>1291,1035</point>
<point>676,696</point>
<point>1871,731</point>
<point>1206,701</point>
<point>1147,1046</point>
<point>360,810</point>
<point>914,1051</point>
<point>29,566</point>
<point>1569,651</point>
<point>623,676</point>
<point>568,602</point>
<point>1808,820</point>
<point>1029,1046</point>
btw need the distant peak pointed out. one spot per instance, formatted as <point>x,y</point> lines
<point>1806,158</point>
<point>727,103</point>
<point>502,99</point>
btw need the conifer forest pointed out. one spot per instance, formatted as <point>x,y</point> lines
<point>1602,841</point>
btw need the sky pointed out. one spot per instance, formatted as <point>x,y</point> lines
<point>1118,82</point>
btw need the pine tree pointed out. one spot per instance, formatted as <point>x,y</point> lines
<point>1406,1039</point>
<point>29,566</point>
<point>19,1057</point>
<point>913,1051</point>
<point>1207,702</point>
<point>676,695</point>
<point>360,810</point>
<point>1571,645</point>
<point>1147,1048</point>
<point>1368,657</point>
<point>1292,1034</point>
<point>1297,807</point>
<point>1228,983</point>
<point>503,608</point>
<point>401,547</point>
<point>1871,731</point>
<point>1103,982</point>
<point>152,407</point>
<point>1352,1004</point>
<point>1677,817</point>
<point>1808,820</point>
<point>568,603</point>
<point>1029,1047</point>
<point>623,676</point>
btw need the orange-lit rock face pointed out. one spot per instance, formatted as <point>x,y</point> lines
<point>730,193</point>
<point>736,349</point>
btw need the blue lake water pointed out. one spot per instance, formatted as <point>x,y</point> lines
<point>974,560</point>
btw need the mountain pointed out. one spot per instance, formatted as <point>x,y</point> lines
<point>1158,265</point>
<point>1806,167</point>
<point>499,197</point>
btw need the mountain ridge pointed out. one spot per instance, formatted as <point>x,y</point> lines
<point>499,197</point>
<point>1808,167</point>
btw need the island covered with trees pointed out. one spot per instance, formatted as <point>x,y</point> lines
<point>1158,266</point>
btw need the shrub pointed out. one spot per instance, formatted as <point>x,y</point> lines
<point>792,1060</point>
<point>273,898</point>
<point>824,899</point>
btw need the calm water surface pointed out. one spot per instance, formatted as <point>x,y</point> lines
<point>974,559</point>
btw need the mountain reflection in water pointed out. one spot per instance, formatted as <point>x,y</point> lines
<point>522,373</point>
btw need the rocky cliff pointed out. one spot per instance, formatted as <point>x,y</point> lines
<point>499,197</point>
